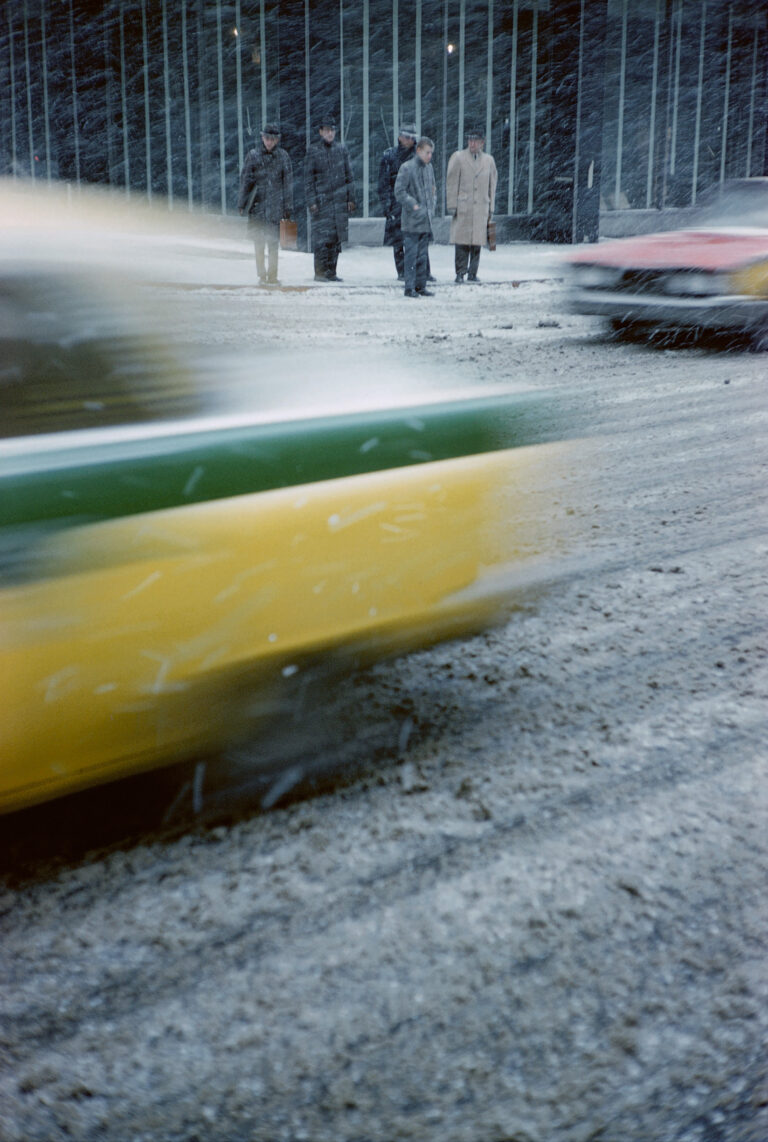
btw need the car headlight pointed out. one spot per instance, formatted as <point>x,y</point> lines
<point>592,276</point>
<point>698,283</point>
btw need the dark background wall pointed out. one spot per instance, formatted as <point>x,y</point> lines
<point>591,104</point>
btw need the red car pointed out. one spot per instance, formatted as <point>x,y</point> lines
<point>711,276</point>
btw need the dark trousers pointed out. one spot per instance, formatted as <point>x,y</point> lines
<point>416,251</point>
<point>399,251</point>
<point>326,257</point>
<point>467,256</point>
<point>266,239</point>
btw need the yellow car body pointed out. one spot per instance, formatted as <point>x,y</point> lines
<point>166,633</point>
<point>170,574</point>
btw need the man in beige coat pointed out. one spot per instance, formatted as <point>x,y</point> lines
<point>470,196</point>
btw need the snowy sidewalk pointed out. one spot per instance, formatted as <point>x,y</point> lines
<point>229,262</point>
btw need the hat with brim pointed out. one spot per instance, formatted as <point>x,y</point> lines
<point>270,129</point>
<point>476,133</point>
<point>327,121</point>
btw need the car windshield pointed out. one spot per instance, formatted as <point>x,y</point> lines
<point>740,202</point>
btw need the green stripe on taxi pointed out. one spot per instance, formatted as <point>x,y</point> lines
<point>109,480</point>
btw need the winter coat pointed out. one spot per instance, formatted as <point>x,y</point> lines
<point>470,191</point>
<point>415,186</point>
<point>329,187</point>
<point>270,175</point>
<point>391,161</point>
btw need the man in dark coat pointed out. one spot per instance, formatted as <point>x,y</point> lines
<point>266,196</point>
<point>330,194</point>
<point>416,193</point>
<point>391,161</point>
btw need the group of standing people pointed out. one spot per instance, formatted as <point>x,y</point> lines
<point>408,197</point>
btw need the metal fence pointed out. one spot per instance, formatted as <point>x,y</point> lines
<point>164,97</point>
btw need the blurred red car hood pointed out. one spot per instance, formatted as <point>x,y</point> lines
<point>681,249</point>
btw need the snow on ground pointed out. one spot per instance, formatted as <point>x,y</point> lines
<point>528,902</point>
<point>229,261</point>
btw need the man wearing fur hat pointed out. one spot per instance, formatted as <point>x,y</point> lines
<point>470,194</point>
<point>330,194</point>
<point>266,197</point>
<point>391,161</point>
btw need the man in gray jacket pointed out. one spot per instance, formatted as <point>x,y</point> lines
<point>266,196</point>
<point>415,191</point>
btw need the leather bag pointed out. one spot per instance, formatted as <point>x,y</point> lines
<point>491,235</point>
<point>288,235</point>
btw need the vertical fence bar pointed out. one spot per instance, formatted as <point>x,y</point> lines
<point>462,45</point>
<point>167,110</point>
<point>30,126</point>
<point>676,90</point>
<point>513,113</point>
<point>577,141</point>
<point>239,86</point>
<point>46,119</point>
<point>203,149</point>
<point>366,102</point>
<point>668,73</point>
<point>726,95</point>
<point>752,101</point>
<point>622,92</point>
<point>220,85</point>
<point>263,62</point>
<point>417,62</point>
<point>73,76</point>
<point>444,128</point>
<point>699,94</point>
<point>147,118</point>
<point>307,101</point>
<point>532,125</point>
<point>489,83</point>
<point>341,70</point>
<point>108,98</point>
<point>654,97</point>
<point>13,93</point>
<point>123,105</point>
<point>395,70</point>
<point>187,111</point>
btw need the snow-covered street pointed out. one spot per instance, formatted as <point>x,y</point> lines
<point>522,896</point>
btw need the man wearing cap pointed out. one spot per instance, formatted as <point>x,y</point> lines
<point>391,161</point>
<point>470,194</point>
<point>266,197</point>
<point>415,191</point>
<point>330,194</point>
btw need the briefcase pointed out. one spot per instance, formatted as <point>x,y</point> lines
<point>288,232</point>
<point>491,235</point>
